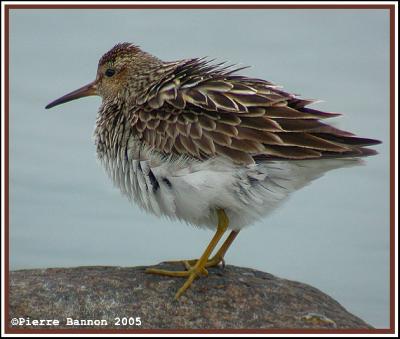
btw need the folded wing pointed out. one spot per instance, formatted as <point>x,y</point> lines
<point>202,110</point>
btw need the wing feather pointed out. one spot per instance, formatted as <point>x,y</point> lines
<point>201,110</point>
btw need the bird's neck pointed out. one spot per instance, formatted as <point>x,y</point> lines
<point>112,132</point>
<point>142,76</point>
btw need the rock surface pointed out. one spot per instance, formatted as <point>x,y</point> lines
<point>230,298</point>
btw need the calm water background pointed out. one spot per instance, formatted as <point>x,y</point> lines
<point>333,234</point>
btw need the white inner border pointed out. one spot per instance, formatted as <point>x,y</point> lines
<point>191,3</point>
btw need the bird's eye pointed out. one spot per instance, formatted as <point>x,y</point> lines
<point>110,72</point>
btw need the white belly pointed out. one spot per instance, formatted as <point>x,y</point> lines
<point>192,191</point>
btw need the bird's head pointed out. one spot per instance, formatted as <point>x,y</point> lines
<point>125,69</point>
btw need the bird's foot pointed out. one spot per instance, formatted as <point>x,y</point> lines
<point>192,273</point>
<point>197,268</point>
<point>214,261</point>
<point>177,273</point>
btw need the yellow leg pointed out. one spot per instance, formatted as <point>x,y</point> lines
<point>219,256</point>
<point>216,259</point>
<point>199,267</point>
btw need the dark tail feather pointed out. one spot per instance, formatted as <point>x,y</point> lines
<point>355,152</point>
<point>349,141</point>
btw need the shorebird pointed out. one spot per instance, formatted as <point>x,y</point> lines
<point>195,141</point>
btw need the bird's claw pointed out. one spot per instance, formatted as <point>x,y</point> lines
<point>192,272</point>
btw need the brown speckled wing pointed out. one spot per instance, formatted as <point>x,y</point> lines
<point>202,110</point>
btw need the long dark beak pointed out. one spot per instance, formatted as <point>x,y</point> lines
<point>89,89</point>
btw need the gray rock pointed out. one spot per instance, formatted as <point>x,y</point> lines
<point>230,298</point>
